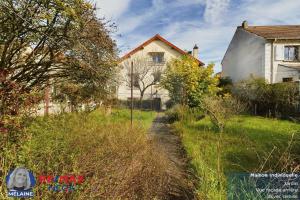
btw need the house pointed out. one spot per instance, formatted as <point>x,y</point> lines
<point>269,52</point>
<point>148,59</point>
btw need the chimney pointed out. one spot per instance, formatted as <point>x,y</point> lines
<point>195,51</point>
<point>245,24</point>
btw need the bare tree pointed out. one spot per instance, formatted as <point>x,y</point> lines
<point>220,110</point>
<point>145,74</point>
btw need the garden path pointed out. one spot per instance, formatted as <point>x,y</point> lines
<point>181,184</point>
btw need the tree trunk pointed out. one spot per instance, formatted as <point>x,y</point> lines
<point>47,100</point>
<point>141,99</point>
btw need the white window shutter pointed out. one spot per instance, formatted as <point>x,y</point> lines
<point>279,52</point>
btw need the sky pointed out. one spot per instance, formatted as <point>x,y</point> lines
<point>208,23</point>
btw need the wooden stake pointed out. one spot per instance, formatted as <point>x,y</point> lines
<point>131,111</point>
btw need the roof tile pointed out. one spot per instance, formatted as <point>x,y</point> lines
<point>276,32</point>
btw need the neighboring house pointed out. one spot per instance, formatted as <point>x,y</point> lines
<point>270,52</point>
<point>158,52</point>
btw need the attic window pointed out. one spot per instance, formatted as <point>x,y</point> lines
<point>291,53</point>
<point>157,57</point>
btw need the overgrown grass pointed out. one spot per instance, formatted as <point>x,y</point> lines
<point>142,118</point>
<point>249,144</point>
<point>117,161</point>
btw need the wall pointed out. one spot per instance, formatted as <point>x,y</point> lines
<point>244,57</point>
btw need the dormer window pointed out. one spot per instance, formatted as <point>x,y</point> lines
<point>291,53</point>
<point>157,57</point>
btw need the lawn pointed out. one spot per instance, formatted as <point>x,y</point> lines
<point>117,161</point>
<point>249,144</point>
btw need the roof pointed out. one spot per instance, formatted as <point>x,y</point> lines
<point>275,32</point>
<point>158,37</point>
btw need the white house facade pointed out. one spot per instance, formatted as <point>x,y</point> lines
<point>157,52</point>
<point>269,52</point>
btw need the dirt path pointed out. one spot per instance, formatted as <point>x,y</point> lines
<point>181,186</point>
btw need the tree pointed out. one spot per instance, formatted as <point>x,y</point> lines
<point>220,109</point>
<point>52,41</point>
<point>145,74</point>
<point>78,95</point>
<point>187,82</point>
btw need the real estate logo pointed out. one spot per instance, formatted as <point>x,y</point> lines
<point>20,182</point>
<point>61,183</point>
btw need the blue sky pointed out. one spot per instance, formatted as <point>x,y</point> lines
<point>208,23</point>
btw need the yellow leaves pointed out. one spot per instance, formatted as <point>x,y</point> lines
<point>47,16</point>
<point>60,3</point>
<point>227,96</point>
<point>184,77</point>
<point>73,8</point>
<point>187,69</point>
<point>71,12</point>
<point>87,6</point>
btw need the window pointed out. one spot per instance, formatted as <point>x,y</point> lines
<point>289,79</point>
<point>157,57</point>
<point>291,53</point>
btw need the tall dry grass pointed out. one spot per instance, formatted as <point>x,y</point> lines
<point>118,161</point>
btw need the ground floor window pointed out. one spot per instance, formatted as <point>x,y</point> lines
<point>288,79</point>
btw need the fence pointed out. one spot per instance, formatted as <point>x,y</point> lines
<point>154,104</point>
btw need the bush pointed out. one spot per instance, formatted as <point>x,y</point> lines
<point>225,83</point>
<point>181,112</point>
<point>277,100</point>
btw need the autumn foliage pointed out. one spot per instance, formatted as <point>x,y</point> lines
<point>187,82</point>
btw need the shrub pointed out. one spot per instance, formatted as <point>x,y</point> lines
<point>277,100</point>
<point>225,83</point>
<point>181,112</point>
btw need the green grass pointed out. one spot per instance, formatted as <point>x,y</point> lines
<point>141,118</point>
<point>246,147</point>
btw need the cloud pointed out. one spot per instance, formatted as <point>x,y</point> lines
<point>111,9</point>
<point>272,12</point>
<point>211,40</point>
<point>160,11</point>
<point>189,2</point>
<point>133,20</point>
<point>208,23</point>
<point>214,32</point>
<point>215,10</point>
